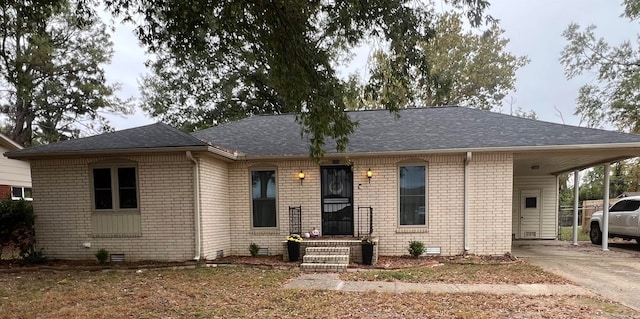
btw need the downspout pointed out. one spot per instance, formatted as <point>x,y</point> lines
<point>196,203</point>
<point>466,202</point>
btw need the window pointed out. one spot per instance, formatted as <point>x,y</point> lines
<point>263,193</point>
<point>18,193</point>
<point>625,206</point>
<point>531,202</point>
<point>413,206</point>
<point>115,188</point>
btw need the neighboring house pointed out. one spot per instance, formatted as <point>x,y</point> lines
<point>458,179</point>
<point>15,176</point>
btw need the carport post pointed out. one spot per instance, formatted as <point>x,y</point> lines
<point>576,194</point>
<point>605,209</point>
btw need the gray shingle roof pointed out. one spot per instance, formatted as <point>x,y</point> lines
<point>441,128</point>
<point>157,135</point>
<point>430,129</point>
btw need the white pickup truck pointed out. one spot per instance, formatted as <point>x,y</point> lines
<point>624,217</point>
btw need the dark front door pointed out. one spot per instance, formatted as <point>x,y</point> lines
<point>337,200</point>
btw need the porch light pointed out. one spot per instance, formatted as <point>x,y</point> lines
<point>369,175</point>
<point>301,176</point>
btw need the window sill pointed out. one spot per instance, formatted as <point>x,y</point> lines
<point>116,211</point>
<point>271,231</point>
<point>115,235</point>
<point>412,230</point>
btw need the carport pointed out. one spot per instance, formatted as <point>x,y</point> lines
<point>535,191</point>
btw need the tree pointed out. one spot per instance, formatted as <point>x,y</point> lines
<point>230,58</point>
<point>51,72</point>
<point>454,67</point>
<point>615,97</point>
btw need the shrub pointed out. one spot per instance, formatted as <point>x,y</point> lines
<point>416,248</point>
<point>253,249</point>
<point>33,256</point>
<point>103,256</point>
<point>16,226</point>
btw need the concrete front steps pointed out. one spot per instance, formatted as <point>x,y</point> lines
<point>325,259</point>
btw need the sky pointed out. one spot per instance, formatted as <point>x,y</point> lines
<point>534,28</point>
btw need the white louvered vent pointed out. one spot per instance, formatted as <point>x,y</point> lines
<point>117,258</point>
<point>433,251</point>
<point>530,234</point>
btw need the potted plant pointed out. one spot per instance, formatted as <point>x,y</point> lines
<point>293,246</point>
<point>367,249</point>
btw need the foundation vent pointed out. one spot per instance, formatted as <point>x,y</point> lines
<point>432,251</point>
<point>219,253</point>
<point>530,234</point>
<point>263,252</point>
<point>117,258</point>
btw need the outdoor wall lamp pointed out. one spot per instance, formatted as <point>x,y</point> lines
<point>301,176</point>
<point>369,175</point>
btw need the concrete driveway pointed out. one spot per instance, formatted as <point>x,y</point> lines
<point>614,275</point>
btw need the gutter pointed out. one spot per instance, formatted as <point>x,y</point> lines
<point>633,146</point>
<point>467,159</point>
<point>196,204</point>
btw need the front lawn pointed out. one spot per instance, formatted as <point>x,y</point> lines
<point>513,273</point>
<point>243,292</point>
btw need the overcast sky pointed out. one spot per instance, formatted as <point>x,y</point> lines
<point>534,28</point>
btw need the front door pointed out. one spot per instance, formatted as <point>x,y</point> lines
<point>337,200</point>
<point>530,208</point>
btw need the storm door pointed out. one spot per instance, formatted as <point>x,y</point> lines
<point>337,200</point>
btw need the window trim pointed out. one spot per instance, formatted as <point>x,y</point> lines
<point>22,188</point>
<point>421,228</point>
<point>258,169</point>
<point>115,193</point>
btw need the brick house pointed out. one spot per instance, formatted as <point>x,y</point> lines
<point>15,175</point>
<point>458,179</point>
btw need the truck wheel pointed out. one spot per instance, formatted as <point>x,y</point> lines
<point>595,234</point>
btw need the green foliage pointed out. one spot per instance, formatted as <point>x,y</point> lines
<point>216,61</point>
<point>566,233</point>
<point>51,71</point>
<point>452,68</point>
<point>416,248</point>
<point>102,256</point>
<point>33,256</point>
<point>565,192</point>
<point>615,95</point>
<point>16,226</point>
<point>254,249</point>
<point>624,178</point>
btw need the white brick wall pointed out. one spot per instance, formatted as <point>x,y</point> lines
<point>62,204</point>
<point>214,207</point>
<point>490,209</point>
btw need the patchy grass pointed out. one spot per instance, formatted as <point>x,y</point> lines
<point>566,233</point>
<point>513,273</point>
<point>243,292</point>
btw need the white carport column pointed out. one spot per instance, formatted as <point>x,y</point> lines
<point>576,200</point>
<point>605,209</point>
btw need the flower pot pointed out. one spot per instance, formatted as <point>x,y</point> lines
<point>294,250</point>
<point>367,254</point>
